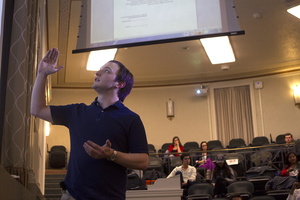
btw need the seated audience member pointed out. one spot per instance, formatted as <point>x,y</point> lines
<point>295,191</point>
<point>235,196</point>
<point>223,175</point>
<point>202,159</point>
<point>291,168</point>
<point>291,146</point>
<point>288,139</point>
<point>288,175</point>
<point>176,147</point>
<point>187,173</point>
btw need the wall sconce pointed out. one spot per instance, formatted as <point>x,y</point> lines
<point>47,128</point>
<point>170,109</point>
<point>297,95</point>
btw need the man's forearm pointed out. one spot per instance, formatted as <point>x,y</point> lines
<point>132,160</point>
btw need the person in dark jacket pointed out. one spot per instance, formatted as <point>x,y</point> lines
<point>223,175</point>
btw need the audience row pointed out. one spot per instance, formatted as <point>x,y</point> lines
<point>221,175</point>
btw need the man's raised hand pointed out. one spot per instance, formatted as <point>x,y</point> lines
<point>48,63</point>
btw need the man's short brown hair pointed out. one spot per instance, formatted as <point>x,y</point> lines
<point>287,134</point>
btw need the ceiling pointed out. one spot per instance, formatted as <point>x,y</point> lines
<point>271,44</point>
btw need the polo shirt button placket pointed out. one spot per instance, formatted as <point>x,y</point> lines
<point>98,118</point>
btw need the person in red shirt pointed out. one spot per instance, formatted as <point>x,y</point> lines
<point>176,147</point>
<point>291,168</point>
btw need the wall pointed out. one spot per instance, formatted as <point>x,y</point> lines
<point>274,110</point>
<point>280,115</point>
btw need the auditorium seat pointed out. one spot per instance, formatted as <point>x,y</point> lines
<point>263,197</point>
<point>236,143</point>
<point>174,162</point>
<point>190,145</point>
<point>202,171</point>
<point>200,191</point>
<point>58,157</point>
<point>260,141</point>
<point>279,194</point>
<point>240,166</point>
<point>155,163</point>
<point>280,139</point>
<point>192,153</point>
<point>164,148</point>
<point>244,188</point>
<point>151,148</point>
<point>214,144</point>
<point>260,158</point>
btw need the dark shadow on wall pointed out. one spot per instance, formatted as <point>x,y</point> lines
<point>6,38</point>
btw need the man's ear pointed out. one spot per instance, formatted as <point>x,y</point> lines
<point>120,85</point>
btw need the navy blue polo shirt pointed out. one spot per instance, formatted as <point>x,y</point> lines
<point>89,178</point>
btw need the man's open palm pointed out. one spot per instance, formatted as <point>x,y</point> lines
<point>48,63</point>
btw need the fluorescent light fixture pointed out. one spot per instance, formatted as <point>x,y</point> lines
<point>295,11</point>
<point>98,58</point>
<point>218,49</point>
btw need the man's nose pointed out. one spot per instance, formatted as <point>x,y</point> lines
<point>98,73</point>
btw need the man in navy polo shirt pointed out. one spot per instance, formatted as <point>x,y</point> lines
<point>95,171</point>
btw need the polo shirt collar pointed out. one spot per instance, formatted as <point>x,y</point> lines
<point>118,104</point>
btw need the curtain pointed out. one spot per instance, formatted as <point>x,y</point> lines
<point>24,46</point>
<point>233,114</point>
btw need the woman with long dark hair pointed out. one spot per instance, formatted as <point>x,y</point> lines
<point>176,147</point>
<point>223,175</point>
<point>291,168</point>
<point>203,159</point>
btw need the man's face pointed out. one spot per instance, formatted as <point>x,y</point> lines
<point>288,139</point>
<point>186,160</point>
<point>105,77</point>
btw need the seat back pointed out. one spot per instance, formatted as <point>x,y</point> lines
<point>174,162</point>
<point>165,147</point>
<point>155,163</point>
<point>193,155</point>
<point>242,187</point>
<point>202,171</point>
<point>202,189</point>
<point>213,144</point>
<point>261,158</point>
<point>58,148</point>
<point>280,139</point>
<point>219,150</point>
<point>190,145</point>
<point>260,141</point>
<point>238,156</point>
<point>237,142</point>
<point>263,197</point>
<point>239,168</point>
<point>199,178</point>
<point>58,157</point>
<point>151,148</point>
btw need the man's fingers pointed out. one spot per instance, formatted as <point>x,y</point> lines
<point>59,68</point>
<point>47,54</point>
<point>94,145</point>
<point>87,148</point>
<point>108,143</point>
<point>52,53</point>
